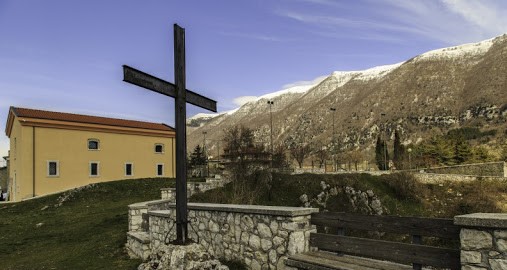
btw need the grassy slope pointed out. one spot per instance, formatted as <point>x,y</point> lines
<point>88,230</point>
<point>398,193</point>
<point>85,232</point>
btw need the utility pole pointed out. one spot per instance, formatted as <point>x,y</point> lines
<point>270,103</point>
<point>334,140</point>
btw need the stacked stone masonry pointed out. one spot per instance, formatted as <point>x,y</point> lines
<point>496,169</point>
<point>195,187</point>
<point>483,241</point>
<point>432,178</point>
<point>262,237</point>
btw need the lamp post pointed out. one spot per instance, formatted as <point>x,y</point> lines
<point>409,158</point>
<point>204,151</point>
<point>270,103</point>
<point>334,140</point>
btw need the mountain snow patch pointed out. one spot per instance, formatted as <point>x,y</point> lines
<point>364,75</point>
<point>478,48</point>
<point>294,88</point>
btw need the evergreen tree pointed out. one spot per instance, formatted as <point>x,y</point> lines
<point>381,155</point>
<point>398,151</point>
<point>197,157</point>
<point>462,150</point>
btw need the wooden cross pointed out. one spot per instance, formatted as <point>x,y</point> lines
<point>181,96</point>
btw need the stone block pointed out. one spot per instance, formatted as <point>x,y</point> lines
<point>296,243</point>
<point>266,244</point>
<point>501,245</point>
<point>498,264</point>
<point>484,220</point>
<point>475,239</point>
<point>264,230</point>
<point>471,267</point>
<point>254,242</point>
<point>500,234</point>
<point>470,257</point>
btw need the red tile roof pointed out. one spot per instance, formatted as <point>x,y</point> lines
<point>79,118</point>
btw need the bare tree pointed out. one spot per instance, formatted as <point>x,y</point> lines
<point>245,161</point>
<point>355,157</point>
<point>299,152</point>
<point>322,155</point>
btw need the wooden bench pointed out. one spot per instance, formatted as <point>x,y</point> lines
<point>338,251</point>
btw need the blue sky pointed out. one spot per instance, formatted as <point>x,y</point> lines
<point>67,55</point>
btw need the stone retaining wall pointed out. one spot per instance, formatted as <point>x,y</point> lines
<point>497,169</point>
<point>309,170</point>
<point>194,187</point>
<point>136,211</point>
<point>433,178</point>
<point>483,241</point>
<point>260,236</point>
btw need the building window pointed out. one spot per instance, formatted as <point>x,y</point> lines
<point>53,168</point>
<point>94,168</point>
<point>93,144</point>
<point>160,169</point>
<point>128,169</point>
<point>159,148</point>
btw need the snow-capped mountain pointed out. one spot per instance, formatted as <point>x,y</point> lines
<point>437,90</point>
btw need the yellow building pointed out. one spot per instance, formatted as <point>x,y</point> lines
<point>54,151</point>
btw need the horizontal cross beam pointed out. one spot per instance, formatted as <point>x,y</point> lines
<point>155,84</point>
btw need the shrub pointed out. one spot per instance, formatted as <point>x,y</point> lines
<point>405,186</point>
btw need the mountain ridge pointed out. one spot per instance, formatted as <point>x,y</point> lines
<point>437,90</point>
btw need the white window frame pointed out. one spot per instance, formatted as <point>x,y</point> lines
<point>93,140</point>
<point>90,168</point>
<point>159,144</point>
<point>131,168</point>
<point>57,168</point>
<point>163,168</point>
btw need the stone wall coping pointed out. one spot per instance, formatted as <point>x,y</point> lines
<point>466,165</point>
<point>144,205</point>
<point>250,209</point>
<point>486,177</point>
<point>160,213</point>
<point>142,237</point>
<point>485,220</point>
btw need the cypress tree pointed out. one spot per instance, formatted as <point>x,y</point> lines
<point>379,153</point>
<point>399,150</point>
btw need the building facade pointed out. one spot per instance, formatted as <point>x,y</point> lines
<point>53,151</point>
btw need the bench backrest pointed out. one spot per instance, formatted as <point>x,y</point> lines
<point>414,253</point>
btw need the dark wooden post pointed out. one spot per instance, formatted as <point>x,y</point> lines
<point>181,96</point>
<point>181,135</point>
<point>417,239</point>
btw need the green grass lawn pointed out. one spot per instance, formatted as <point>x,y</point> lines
<point>88,231</point>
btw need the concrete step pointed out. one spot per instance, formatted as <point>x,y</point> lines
<point>138,244</point>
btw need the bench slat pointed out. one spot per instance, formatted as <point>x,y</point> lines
<point>309,261</point>
<point>436,227</point>
<point>392,251</point>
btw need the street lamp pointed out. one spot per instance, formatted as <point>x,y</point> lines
<point>409,158</point>
<point>270,103</point>
<point>334,139</point>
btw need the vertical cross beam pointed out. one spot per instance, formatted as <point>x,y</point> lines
<point>181,135</point>
<point>181,96</point>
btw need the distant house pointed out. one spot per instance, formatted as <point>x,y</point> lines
<point>3,178</point>
<point>55,151</point>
